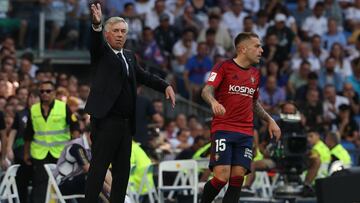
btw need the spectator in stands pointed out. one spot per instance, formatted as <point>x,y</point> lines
<point>150,51</point>
<point>144,6</point>
<point>333,35</point>
<point>304,53</point>
<point>195,69</point>
<point>317,50</point>
<point>27,65</point>
<point>195,131</point>
<point>183,50</point>
<point>342,64</point>
<point>329,76</point>
<point>272,69</point>
<point>158,106</point>
<point>145,115</point>
<point>177,8</point>
<point>273,51</point>
<point>272,95</point>
<point>213,47</point>
<point>355,78</point>
<point>333,11</point>
<point>22,94</point>
<point>316,23</point>
<point>134,23</point>
<point>349,92</point>
<point>166,35</point>
<point>62,80</point>
<point>55,15</point>
<point>152,18</point>
<point>251,6</point>
<point>312,84</point>
<point>312,109</point>
<point>181,122</point>
<point>261,24</point>
<point>249,24</point>
<point>62,94</point>
<point>188,20</point>
<point>298,78</point>
<point>84,91</point>
<point>222,35</point>
<point>352,15</point>
<point>332,102</point>
<point>188,153</point>
<point>234,18</point>
<point>284,34</point>
<point>181,141</point>
<point>338,152</point>
<point>301,12</point>
<point>345,123</point>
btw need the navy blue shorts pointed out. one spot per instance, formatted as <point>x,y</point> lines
<point>231,148</point>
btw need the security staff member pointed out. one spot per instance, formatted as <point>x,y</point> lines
<point>46,134</point>
<point>338,152</point>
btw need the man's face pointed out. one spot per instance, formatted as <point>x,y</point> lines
<point>316,43</point>
<point>116,35</point>
<point>253,50</point>
<point>312,138</point>
<point>47,93</point>
<point>330,65</point>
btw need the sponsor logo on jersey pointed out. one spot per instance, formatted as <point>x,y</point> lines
<point>212,77</point>
<point>243,90</point>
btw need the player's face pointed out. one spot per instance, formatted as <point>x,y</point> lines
<point>254,50</point>
<point>116,35</point>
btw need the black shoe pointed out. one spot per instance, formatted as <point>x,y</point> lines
<point>308,191</point>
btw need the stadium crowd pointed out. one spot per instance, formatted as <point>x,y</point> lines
<point>311,57</point>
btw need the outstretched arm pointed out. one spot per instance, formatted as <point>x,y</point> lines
<point>273,128</point>
<point>208,94</point>
<point>97,44</point>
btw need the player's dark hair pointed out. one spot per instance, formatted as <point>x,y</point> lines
<point>243,37</point>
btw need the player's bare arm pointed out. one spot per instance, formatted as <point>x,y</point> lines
<point>273,128</point>
<point>207,94</point>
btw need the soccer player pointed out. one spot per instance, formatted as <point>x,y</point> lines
<point>232,91</point>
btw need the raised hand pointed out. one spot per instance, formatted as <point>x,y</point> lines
<point>96,13</point>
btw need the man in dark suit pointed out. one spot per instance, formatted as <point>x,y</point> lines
<point>111,104</point>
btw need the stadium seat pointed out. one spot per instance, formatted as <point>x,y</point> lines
<point>54,188</point>
<point>262,184</point>
<point>186,178</point>
<point>8,189</point>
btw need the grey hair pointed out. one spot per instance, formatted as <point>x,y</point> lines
<point>114,20</point>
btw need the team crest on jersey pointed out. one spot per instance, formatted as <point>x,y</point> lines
<point>212,77</point>
<point>252,79</point>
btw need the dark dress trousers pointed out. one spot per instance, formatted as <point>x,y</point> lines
<point>111,104</point>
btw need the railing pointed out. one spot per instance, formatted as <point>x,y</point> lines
<point>182,105</point>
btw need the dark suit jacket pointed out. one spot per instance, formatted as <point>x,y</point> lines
<point>108,77</point>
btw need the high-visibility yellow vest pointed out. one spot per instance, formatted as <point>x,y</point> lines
<point>342,154</point>
<point>325,158</point>
<point>50,135</point>
<point>141,161</point>
<point>199,154</point>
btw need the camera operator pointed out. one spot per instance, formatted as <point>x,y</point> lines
<point>264,150</point>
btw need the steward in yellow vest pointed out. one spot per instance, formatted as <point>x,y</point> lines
<point>319,158</point>
<point>338,152</point>
<point>47,132</point>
